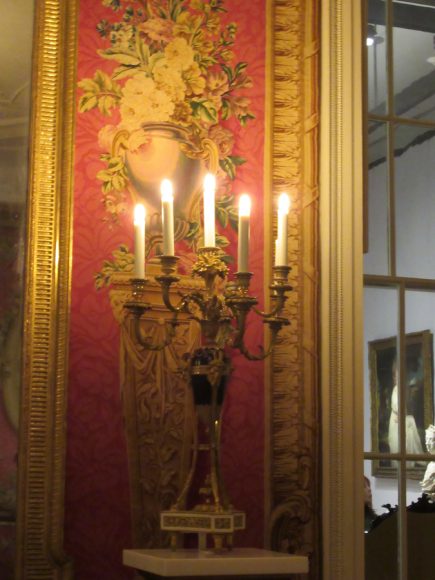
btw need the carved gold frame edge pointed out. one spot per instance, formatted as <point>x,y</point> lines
<point>292,393</point>
<point>42,444</point>
<point>341,235</point>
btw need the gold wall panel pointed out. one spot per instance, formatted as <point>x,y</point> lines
<point>292,410</point>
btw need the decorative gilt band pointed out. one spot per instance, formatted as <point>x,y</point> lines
<point>42,430</point>
<point>293,416</point>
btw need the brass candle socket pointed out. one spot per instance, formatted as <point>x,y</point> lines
<point>137,305</point>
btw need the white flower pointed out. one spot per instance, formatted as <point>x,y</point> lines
<point>168,79</point>
<point>179,54</point>
<point>122,38</point>
<point>142,102</point>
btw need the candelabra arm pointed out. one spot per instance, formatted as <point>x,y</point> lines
<point>275,324</point>
<point>276,310</point>
<point>278,290</point>
<point>166,282</point>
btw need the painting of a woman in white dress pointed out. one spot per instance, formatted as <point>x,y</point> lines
<point>413,438</point>
<point>384,392</point>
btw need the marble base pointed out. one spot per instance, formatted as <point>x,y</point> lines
<point>240,562</point>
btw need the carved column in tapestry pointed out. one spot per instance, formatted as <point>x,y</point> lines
<point>158,410</point>
<point>294,519</point>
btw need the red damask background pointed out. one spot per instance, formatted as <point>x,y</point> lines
<point>97,492</point>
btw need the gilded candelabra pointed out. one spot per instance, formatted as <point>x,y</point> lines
<point>221,309</point>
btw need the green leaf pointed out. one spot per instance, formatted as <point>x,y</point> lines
<point>240,66</point>
<point>87,102</point>
<point>233,216</point>
<point>118,182</point>
<point>116,164</point>
<point>237,160</point>
<point>121,57</point>
<point>104,175</point>
<point>229,72</point>
<point>89,85</point>
<point>124,71</point>
<point>222,241</point>
<point>245,118</point>
<point>225,110</point>
<point>193,231</point>
<point>204,109</point>
<point>228,166</point>
<point>222,216</point>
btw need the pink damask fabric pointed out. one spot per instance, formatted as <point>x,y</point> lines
<point>97,493</point>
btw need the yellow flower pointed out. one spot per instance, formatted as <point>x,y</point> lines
<point>158,29</point>
<point>202,46</point>
<point>213,23</point>
<point>182,114</point>
<point>179,54</point>
<point>239,106</point>
<point>224,140</point>
<point>195,83</point>
<point>217,85</point>
<point>187,23</point>
<point>227,55</point>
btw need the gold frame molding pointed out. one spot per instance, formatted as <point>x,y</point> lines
<point>41,463</point>
<point>341,317</point>
<point>292,408</point>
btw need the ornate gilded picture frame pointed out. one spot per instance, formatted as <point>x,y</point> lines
<point>292,411</point>
<point>384,397</point>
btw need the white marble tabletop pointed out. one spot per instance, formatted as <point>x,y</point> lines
<point>239,561</point>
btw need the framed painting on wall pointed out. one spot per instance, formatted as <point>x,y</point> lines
<point>384,394</point>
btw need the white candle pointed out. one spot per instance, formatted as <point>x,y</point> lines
<point>243,240</point>
<point>167,217</point>
<point>209,211</point>
<point>281,248</point>
<point>139,241</point>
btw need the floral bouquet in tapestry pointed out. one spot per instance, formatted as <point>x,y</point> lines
<point>175,100</point>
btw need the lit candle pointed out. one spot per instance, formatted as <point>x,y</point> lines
<point>139,241</point>
<point>209,211</point>
<point>167,217</point>
<point>281,248</point>
<point>243,241</point>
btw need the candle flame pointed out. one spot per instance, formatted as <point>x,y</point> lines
<point>139,214</point>
<point>209,182</point>
<point>166,190</point>
<point>284,203</point>
<point>245,205</point>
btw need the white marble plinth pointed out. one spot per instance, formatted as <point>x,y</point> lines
<point>237,562</point>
